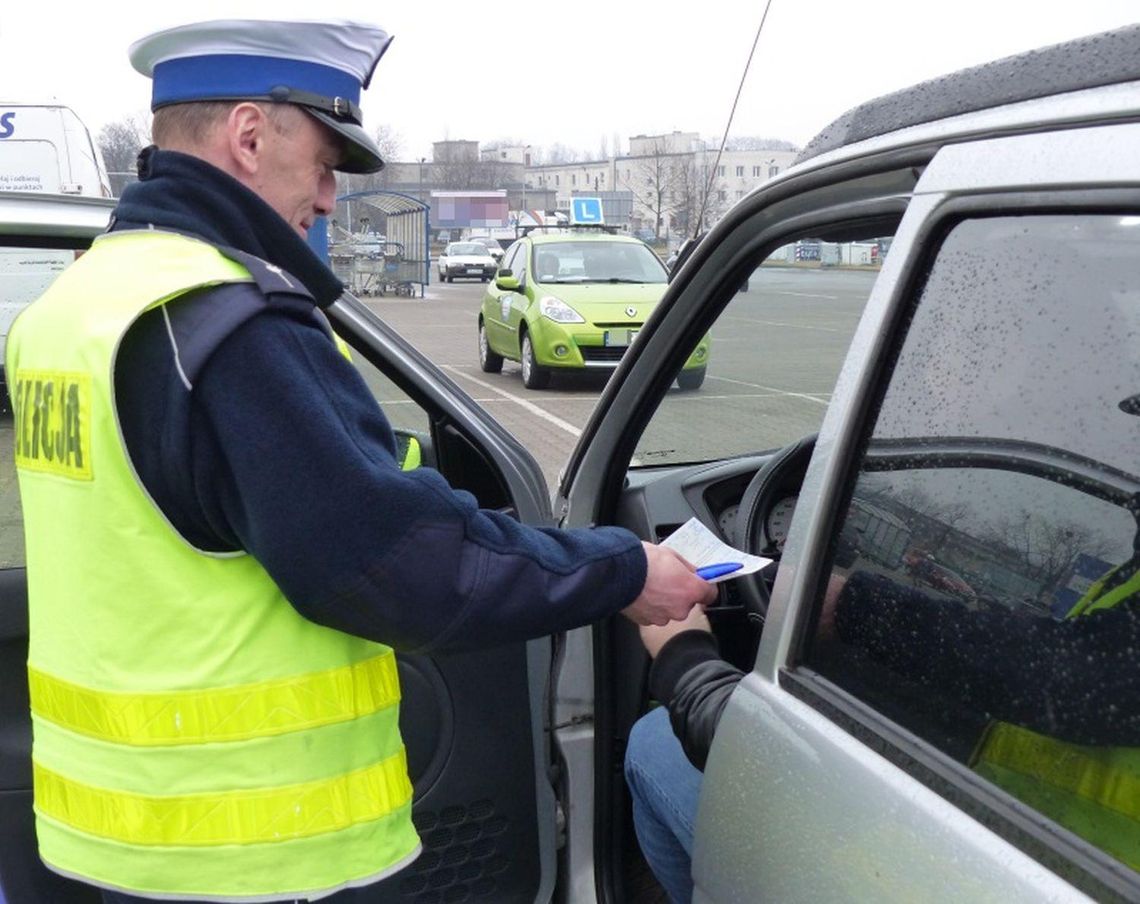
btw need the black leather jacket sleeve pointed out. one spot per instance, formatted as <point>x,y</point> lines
<point>690,678</point>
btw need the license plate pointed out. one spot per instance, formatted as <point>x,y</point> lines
<point>475,270</point>
<point>618,338</point>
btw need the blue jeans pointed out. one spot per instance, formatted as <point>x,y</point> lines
<point>665,787</point>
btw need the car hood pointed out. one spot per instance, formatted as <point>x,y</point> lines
<point>607,301</point>
<point>472,260</point>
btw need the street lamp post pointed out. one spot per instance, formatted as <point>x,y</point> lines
<point>420,192</point>
<point>526,163</point>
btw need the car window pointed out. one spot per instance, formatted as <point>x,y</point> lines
<point>509,257</point>
<point>466,248</point>
<point>616,262</point>
<point>986,573</point>
<point>773,358</point>
<point>24,275</point>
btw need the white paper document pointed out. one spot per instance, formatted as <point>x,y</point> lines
<point>702,547</point>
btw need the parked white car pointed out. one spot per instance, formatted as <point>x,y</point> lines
<point>466,260</point>
<point>491,244</point>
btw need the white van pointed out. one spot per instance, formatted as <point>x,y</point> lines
<point>47,148</point>
<point>45,152</point>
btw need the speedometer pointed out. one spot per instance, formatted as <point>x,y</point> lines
<point>779,520</point>
<point>727,523</point>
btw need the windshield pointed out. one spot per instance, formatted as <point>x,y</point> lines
<point>586,262</point>
<point>466,248</point>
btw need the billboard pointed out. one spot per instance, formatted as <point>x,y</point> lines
<point>469,209</point>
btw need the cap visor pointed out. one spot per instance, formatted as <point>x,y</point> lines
<point>361,155</point>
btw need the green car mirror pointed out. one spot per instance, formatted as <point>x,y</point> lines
<point>507,281</point>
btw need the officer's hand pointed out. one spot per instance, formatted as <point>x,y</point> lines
<point>656,636</point>
<point>671,589</point>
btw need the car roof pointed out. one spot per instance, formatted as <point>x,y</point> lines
<point>53,216</point>
<point>1094,61</point>
<point>591,235</point>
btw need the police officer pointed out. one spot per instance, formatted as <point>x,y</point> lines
<point>222,549</point>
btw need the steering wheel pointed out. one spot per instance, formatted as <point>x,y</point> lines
<point>780,476</point>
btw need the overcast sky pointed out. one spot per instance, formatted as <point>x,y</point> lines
<point>574,72</point>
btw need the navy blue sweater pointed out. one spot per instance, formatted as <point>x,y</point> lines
<point>260,436</point>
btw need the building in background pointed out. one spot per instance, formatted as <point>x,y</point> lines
<point>662,189</point>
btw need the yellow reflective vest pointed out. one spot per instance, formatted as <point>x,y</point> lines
<point>1094,791</point>
<point>194,736</point>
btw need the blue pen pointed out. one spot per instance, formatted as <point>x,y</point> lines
<point>708,572</point>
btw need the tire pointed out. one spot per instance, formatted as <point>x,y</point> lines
<point>691,379</point>
<point>489,361</point>
<point>534,375</point>
<point>449,278</point>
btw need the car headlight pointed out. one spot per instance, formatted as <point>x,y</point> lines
<point>559,311</point>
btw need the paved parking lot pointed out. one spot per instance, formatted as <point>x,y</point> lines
<point>797,321</point>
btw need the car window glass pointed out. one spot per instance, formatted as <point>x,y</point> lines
<point>402,413</point>
<point>24,275</point>
<point>598,261</point>
<point>509,258</point>
<point>986,576</point>
<point>773,356</point>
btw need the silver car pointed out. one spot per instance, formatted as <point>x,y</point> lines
<point>941,450</point>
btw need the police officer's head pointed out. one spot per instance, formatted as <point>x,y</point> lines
<point>274,104</point>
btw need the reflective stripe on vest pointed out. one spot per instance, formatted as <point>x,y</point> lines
<point>220,714</point>
<point>1094,791</point>
<point>194,736</point>
<point>237,817</point>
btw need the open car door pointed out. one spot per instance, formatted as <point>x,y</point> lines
<point>473,723</point>
<point>939,451</point>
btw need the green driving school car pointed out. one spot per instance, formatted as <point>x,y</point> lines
<point>573,300</point>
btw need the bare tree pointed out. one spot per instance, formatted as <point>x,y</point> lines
<point>391,145</point>
<point>689,190</point>
<point>390,142</point>
<point>1047,548</point>
<point>560,153</point>
<point>120,142</point>
<point>456,169</point>
<point>657,183</point>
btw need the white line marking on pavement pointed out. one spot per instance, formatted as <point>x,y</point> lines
<point>800,294</point>
<point>798,326</point>
<point>798,395</point>
<point>529,406</point>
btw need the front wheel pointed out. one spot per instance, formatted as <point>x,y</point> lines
<point>534,375</point>
<point>489,361</point>
<point>691,379</point>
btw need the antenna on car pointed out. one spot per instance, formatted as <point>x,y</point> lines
<point>728,125</point>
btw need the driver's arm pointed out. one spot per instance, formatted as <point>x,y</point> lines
<point>690,678</point>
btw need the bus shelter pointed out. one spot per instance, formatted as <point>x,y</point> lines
<point>388,251</point>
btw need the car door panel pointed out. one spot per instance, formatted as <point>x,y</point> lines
<point>845,793</point>
<point>849,792</point>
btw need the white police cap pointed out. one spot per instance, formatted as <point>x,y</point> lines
<point>321,66</point>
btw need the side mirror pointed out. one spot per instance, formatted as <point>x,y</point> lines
<point>507,281</point>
